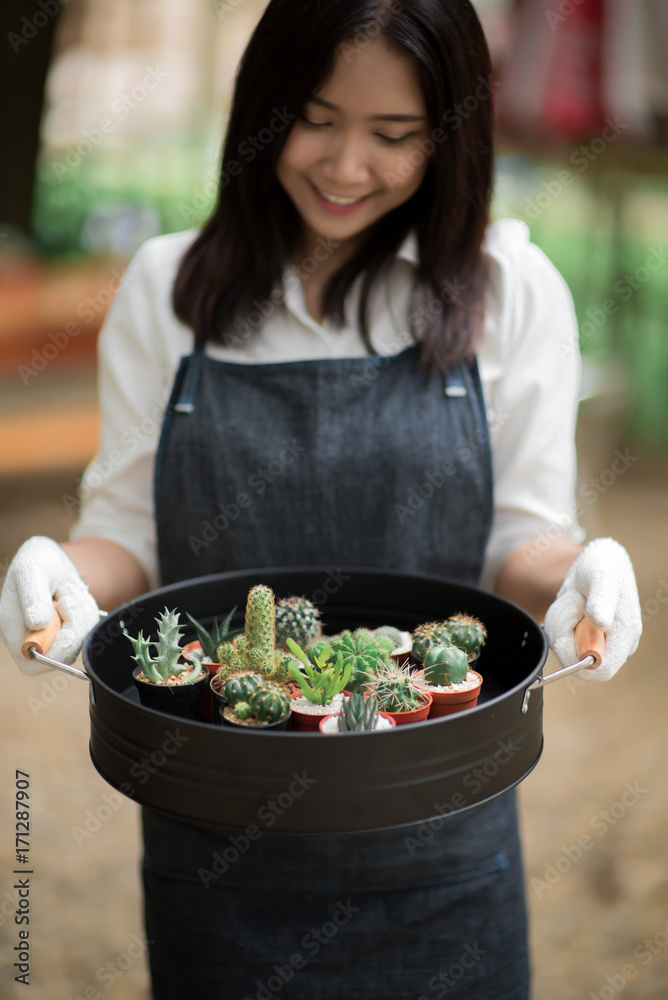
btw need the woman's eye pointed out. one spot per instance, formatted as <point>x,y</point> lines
<point>385,138</point>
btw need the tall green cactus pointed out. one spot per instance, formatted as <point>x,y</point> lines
<point>255,650</point>
<point>166,661</point>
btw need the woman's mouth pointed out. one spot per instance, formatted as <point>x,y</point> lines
<point>337,203</point>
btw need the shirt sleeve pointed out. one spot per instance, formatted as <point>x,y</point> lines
<point>116,490</point>
<point>532,372</point>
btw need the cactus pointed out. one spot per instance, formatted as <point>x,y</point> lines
<point>298,618</point>
<point>359,713</point>
<point>467,633</point>
<point>427,635</point>
<point>242,710</point>
<point>391,632</point>
<point>325,672</point>
<point>445,665</point>
<point>395,689</point>
<point>254,650</point>
<point>364,652</point>
<point>270,703</point>
<point>211,639</point>
<point>165,663</point>
<point>240,687</point>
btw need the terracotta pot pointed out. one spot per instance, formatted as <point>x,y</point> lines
<point>305,721</point>
<point>335,715</point>
<point>183,700</point>
<point>212,666</point>
<point>449,702</point>
<point>416,715</point>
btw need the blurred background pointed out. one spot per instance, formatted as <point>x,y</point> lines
<point>113,114</point>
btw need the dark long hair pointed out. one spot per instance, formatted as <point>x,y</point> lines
<point>239,256</point>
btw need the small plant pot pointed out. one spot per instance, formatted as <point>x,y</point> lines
<point>415,715</point>
<point>385,715</point>
<point>183,700</point>
<point>308,721</point>
<point>449,702</point>
<point>190,652</point>
<point>403,655</point>
<point>258,728</point>
<point>218,700</point>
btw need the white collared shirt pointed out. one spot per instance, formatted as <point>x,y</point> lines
<point>528,360</point>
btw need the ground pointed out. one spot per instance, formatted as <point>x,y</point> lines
<point>593,812</point>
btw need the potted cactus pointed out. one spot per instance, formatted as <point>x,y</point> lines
<point>255,703</point>
<point>321,683</point>
<point>297,618</point>
<point>402,642</point>
<point>254,649</point>
<point>399,694</point>
<point>447,676</point>
<point>467,633</point>
<point>359,714</point>
<point>364,652</point>
<point>164,680</point>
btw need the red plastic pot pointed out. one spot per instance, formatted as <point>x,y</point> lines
<point>334,715</point>
<point>449,702</point>
<point>416,715</point>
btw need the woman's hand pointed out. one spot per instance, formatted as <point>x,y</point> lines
<point>600,585</point>
<point>40,572</point>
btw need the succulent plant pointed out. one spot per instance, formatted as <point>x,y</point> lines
<point>467,633</point>
<point>391,632</point>
<point>324,673</point>
<point>445,665</point>
<point>358,713</point>
<point>239,687</point>
<point>211,638</point>
<point>166,661</point>
<point>427,635</point>
<point>364,652</point>
<point>299,619</point>
<point>255,650</point>
<point>396,689</point>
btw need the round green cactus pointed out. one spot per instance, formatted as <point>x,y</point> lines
<point>367,653</point>
<point>243,711</point>
<point>445,665</point>
<point>467,633</point>
<point>239,687</point>
<point>396,696</point>
<point>392,633</point>
<point>428,635</point>
<point>299,619</point>
<point>270,703</point>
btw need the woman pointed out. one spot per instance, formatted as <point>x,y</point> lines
<point>360,331</point>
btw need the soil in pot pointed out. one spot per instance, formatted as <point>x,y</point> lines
<point>228,718</point>
<point>183,700</point>
<point>456,697</point>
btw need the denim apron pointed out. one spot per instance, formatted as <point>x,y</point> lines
<point>361,462</point>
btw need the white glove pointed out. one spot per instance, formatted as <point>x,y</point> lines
<point>40,571</point>
<point>601,585</point>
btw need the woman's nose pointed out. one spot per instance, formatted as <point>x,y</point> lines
<point>346,161</point>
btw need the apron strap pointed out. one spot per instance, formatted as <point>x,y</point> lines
<point>186,401</point>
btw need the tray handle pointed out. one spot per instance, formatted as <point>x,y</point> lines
<point>36,643</point>
<point>590,642</point>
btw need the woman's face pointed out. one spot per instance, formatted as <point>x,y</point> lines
<point>344,145</point>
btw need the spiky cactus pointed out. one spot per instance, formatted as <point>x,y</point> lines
<point>299,619</point>
<point>364,652</point>
<point>255,649</point>
<point>391,632</point>
<point>358,713</point>
<point>241,686</point>
<point>428,635</point>
<point>395,689</point>
<point>466,632</point>
<point>267,702</point>
<point>165,663</point>
<point>445,665</point>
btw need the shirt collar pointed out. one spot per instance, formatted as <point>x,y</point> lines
<point>409,248</point>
